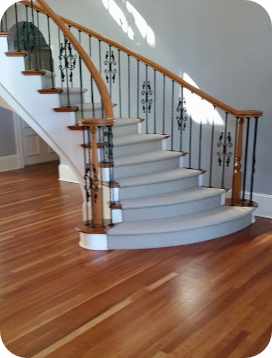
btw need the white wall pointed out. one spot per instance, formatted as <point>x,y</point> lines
<point>225,46</point>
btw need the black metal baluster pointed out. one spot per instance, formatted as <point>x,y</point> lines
<point>35,54</point>
<point>2,23</point>
<point>253,169</point>
<point>147,105</point>
<point>211,155</point>
<point>190,142</point>
<point>224,151</point>
<point>246,159</point>
<point>100,56</point>
<point>87,174</point>
<point>163,108</point>
<point>100,70</point>
<point>172,115</point>
<point>110,70</point>
<point>27,37</point>
<point>138,88</point>
<point>200,146</point>
<point>129,94</point>
<point>81,79</point>
<point>50,54</point>
<point>60,46</point>
<point>155,102</point>
<point>17,28</point>
<point>181,114</point>
<point>91,78</point>
<point>39,39</point>
<point>120,83</point>
<point>6,21</point>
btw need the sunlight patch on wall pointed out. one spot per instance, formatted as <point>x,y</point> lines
<point>266,4</point>
<point>121,19</point>
<point>118,15</point>
<point>200,110</point>
<point>141,24</point>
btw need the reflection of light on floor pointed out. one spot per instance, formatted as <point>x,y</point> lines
<point>118,15</point>
<point>266,4</point>
<point>120,18</point>
<point>200,110</point>
<point>143,27</point>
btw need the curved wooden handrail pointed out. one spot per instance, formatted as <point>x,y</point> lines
<point>214,101</point>
<point>164,71</point>
<point>102,88</point>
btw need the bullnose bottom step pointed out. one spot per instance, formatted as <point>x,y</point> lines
<point>179,231</point>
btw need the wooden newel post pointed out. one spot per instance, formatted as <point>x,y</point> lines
<point>237,170</point>
<point>96,192</point>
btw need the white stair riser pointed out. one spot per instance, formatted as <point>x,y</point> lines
<point>125,130</point>
<point>75,99</point>
<point>165,211</point>
<point>185,237</point>
<point>137,148</point>
<point>158,188</point>
<point>146,168</point>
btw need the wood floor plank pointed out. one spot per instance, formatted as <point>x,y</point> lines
<point>209,300</point>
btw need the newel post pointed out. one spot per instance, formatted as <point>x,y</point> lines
<point>237,170</point>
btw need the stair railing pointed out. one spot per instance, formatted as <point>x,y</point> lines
<point>218,139</point>
<point>33,28</point>
<point>224,148</point>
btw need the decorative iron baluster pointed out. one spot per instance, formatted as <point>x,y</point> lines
<point>147,99</point>
<point>129,94</point>
<point>87,173</point>
<point>182,114</point>
<point>110,67</point>
<point>225,147</point>
<point>67,65</point>
<point>147,94</point>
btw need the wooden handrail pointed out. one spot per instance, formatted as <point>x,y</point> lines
<point>102,88</point>
<point>214,101</point>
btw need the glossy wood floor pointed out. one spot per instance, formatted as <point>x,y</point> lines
<point>211,300</point>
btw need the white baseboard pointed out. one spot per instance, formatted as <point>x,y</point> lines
<point>66,174</point>
<point>10,162</point>
<point>264,205</point>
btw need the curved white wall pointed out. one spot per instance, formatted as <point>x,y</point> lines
<point>225,46</point>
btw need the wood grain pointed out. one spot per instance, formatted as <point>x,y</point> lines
<point>210,300</point>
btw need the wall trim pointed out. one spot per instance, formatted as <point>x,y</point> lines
<point>264,205</point>
<point>66,174</point>
<point>10,162</point>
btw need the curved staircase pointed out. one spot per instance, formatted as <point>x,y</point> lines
<point>155,198</point>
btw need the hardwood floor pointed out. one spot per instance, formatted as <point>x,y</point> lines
<point>210,300</point>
